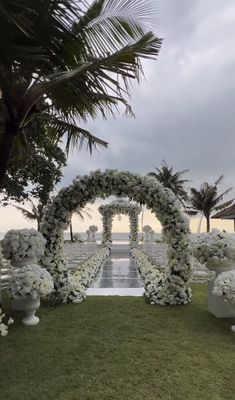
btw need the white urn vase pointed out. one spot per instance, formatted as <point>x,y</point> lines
<point>216,305</point>
<point>232,307</point>
<point>30,307</point>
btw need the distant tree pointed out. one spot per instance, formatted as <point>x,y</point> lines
<point>81,213</point>
<point>171,180</point>
<point>206,200</point>
<point>63,61</point>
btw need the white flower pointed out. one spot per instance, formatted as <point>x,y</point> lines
<point>31,280</point>
<point>215,247</point>
<point>19,244</point>
<point>225,286</point>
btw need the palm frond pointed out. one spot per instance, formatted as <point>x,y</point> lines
<point>26,213</point>
<point>221,196</point>
<point>108,25</point>
<point>219,180</point>
<point>124,63</point>
<point>58,128</point>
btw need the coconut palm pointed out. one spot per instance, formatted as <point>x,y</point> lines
<point>81,213</point>
<point>207,199</point>
<point>171,180</point>
<point>62,61</point>
<point>34,213</point>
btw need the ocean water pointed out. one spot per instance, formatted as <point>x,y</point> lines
<point>121,237</point>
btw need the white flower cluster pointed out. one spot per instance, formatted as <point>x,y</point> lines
<point>82,278</point>
<point>215,247</point>
<point>4,326</point>
<point>108,212</point>
<point>225,286</point>
<point>20,244</point>
<point>31,280</point>
<point>143,190</point>
<point>156,290</point>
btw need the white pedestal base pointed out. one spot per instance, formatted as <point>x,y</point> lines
<point>217,306</point>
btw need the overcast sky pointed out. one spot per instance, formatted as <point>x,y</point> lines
<point>185,108</point>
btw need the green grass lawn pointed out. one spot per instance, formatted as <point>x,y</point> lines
<point>120,348</point>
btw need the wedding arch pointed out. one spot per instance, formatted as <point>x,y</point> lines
<point>172,287</point>
<point>108,211</point>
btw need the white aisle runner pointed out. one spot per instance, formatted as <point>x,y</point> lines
<point>119,276</point>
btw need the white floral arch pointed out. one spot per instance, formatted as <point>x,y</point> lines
<point>172,288</point>
<point>108,211</point>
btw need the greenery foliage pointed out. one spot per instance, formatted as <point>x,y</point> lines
<point>33,175</point>
<point>171,180</point>
<point>63,61</point>
<point>206,199</point>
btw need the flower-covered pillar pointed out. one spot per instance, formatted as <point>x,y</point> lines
<point>107,220</point>
<point>134,225</point>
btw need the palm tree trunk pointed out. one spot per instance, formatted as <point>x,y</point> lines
<point>6,147</point>
<point>71,231</point>
<point>208,224</point>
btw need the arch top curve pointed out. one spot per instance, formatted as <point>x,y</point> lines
<point>120,206</point>
<point>173,289</point>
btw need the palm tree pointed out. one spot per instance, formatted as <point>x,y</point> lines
<point>171,180</point>
<point>62,61</point>
<point>206,200</point>
<point>35,213</point>
<point>81,213</point>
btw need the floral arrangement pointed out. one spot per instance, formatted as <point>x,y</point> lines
<point>215,247</point>
<point>119,207</point>
<point>93,228</point>
<point>82,278</point>
<point>31,280</point>
<point>146,190</point>
<point>152,278</point>
<point>224,286</point>
<point>4,326</point>
<point>147,229</point>
<point>21,244</point>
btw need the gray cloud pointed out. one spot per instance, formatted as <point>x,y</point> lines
<point>185,108</point>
